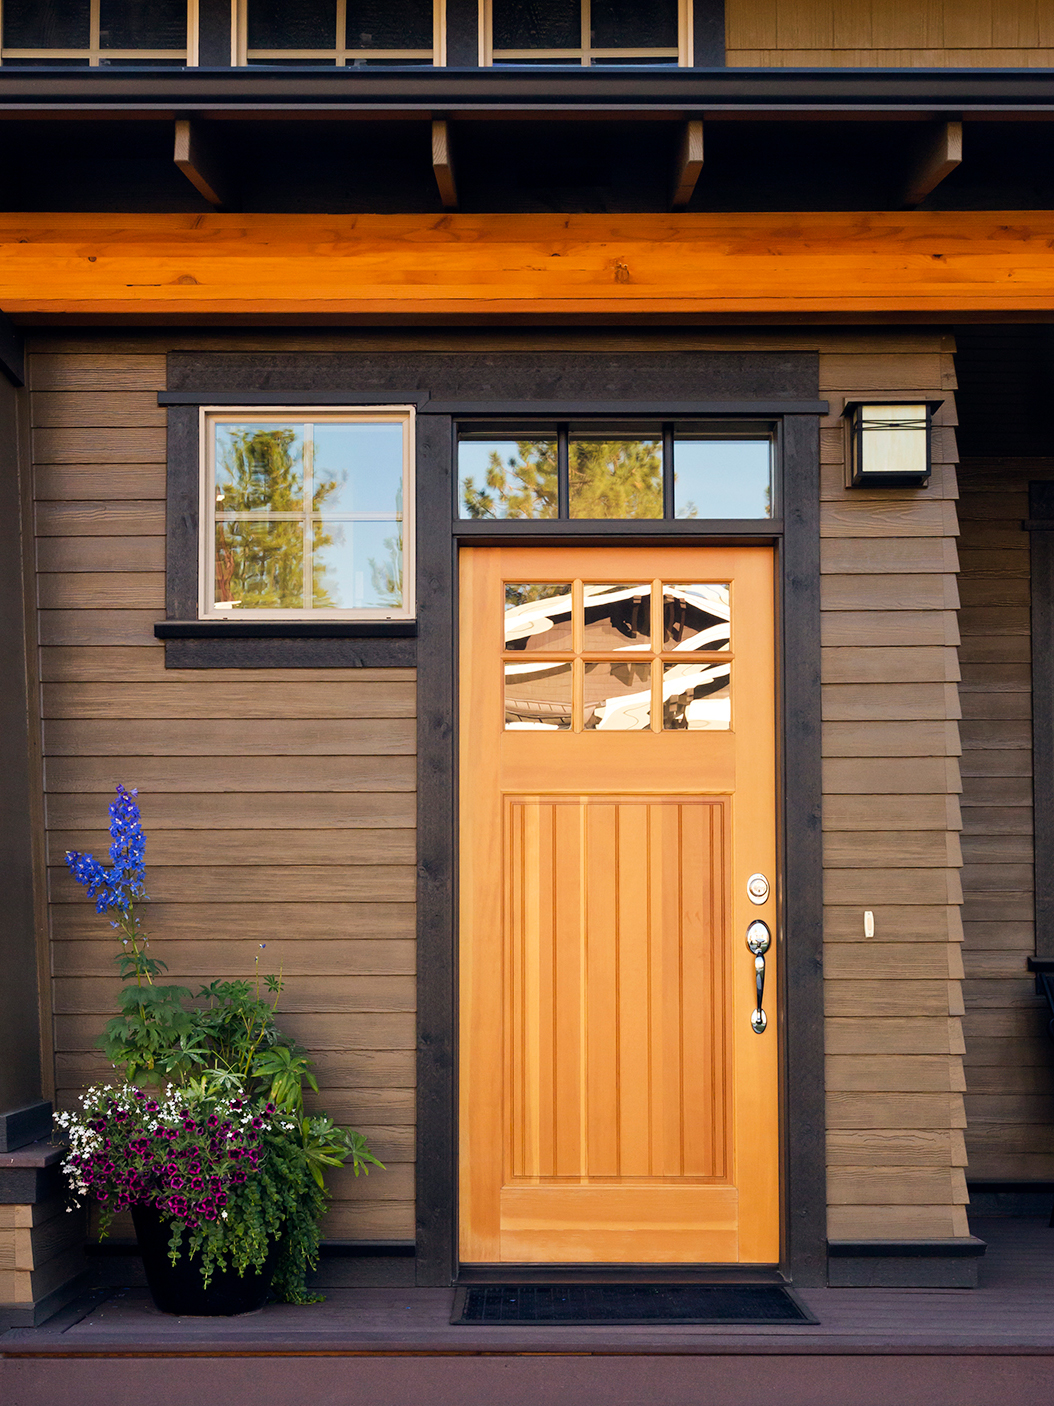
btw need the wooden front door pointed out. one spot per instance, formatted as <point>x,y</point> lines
<point>617,793</point>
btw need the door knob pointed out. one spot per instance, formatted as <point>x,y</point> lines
<point>759,940</point>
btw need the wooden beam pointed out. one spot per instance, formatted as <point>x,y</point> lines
<point>665,267</point>
<point>443,164</point>
<point>689,163</point>
<point>937,156</point>
<point>196,157</point>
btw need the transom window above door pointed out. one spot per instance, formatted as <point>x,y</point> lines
<point>587,32</point>
<point>623,471</point>
<point>99,33</point>
<point>348,33</point>
<point>304,515</point>
<point>647,656</point>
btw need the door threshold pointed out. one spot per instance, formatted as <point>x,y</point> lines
<point>619,1274</point>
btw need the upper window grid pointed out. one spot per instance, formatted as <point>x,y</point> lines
<point>340,53</point>
<point>626,471</point>
<point>82,32</point>
<point>311,517</point>
<point>580,47</point>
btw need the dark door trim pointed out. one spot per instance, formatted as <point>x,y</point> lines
<point>797,541</point>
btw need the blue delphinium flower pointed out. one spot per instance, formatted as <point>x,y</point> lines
<point>121,884</point>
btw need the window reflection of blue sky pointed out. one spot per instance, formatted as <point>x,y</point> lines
<point>722,478</point>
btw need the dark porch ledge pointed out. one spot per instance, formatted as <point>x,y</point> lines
<point>485,92</point>
<point>1010,1314</point>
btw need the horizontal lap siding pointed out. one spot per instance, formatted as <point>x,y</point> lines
<point>895,1150</point>
<point>859,34</point>
<point>1009,1066</point>
<point>278,805</point>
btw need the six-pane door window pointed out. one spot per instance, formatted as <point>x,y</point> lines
<point>306,515</point>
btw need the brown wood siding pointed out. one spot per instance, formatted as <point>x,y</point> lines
<point>1009,1077</point>
<point>895,1148</point>
<point>882,33</point>
<point>278,804</point>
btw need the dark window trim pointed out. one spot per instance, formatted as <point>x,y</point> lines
<point>191,643</point>
<point>1040,526</point>
<point>502,409</point>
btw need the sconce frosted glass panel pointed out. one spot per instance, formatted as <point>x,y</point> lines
<point>893,440</point>
<point>722,478</point>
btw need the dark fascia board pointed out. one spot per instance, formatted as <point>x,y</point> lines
<point>618,409</point>
<point>548,92</point>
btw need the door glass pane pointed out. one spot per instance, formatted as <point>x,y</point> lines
<point>46,24</point>
<point>538,696</point>
<point>615,478</point>
<point>618,697</point>
<point>628,24</point>
<point>617,617</point>
<point>538,616</point>
<point>277,24</point>
<point>358,469</point>
<point>722,477</point>
<point>259,565</point>
<point>537,24</point>
<point>259,468</point>
<point>356,565</point>
<point>507,478</point>
<point>696,616</point>
<point>389,24</point>
<point>695,697</point>
<point>143,24</point>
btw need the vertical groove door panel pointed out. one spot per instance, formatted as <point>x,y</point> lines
<point>615,1104</point>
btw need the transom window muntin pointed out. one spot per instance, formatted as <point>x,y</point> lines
<point>99,33</point>
<point>345,33</point>
<point>585,656</point>
<point>306,514</point>
<point>586,32</point>
<point>626,470</point>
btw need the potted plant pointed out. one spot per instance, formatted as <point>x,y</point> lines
<point>204,1136</point>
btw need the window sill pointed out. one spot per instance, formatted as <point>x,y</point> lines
<point>285,629</point>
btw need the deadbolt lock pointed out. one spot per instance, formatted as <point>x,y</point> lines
<point>757,888</point>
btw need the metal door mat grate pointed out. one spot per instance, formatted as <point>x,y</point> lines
<point>628,1304</point>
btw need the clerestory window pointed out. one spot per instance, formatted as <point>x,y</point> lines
<point>347,33</point>
<point>99,33</point>
<point>587,32</point>
<point>628,470</point>
<point>307,515</point>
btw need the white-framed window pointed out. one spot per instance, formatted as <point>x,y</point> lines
<point>347,33</point>
<point>307,514</point>
<point>99,33</point>
<point>590,33</point>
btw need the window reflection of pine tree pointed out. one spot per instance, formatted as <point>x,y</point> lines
<point>262,472</point>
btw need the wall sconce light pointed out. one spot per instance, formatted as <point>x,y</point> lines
<point>889,443</point>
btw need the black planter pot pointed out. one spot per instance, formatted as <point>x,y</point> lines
<point>177,1288</point>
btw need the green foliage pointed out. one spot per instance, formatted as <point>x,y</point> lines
<point>211,1053</point>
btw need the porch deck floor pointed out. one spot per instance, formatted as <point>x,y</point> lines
<point>1012,1312</point>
